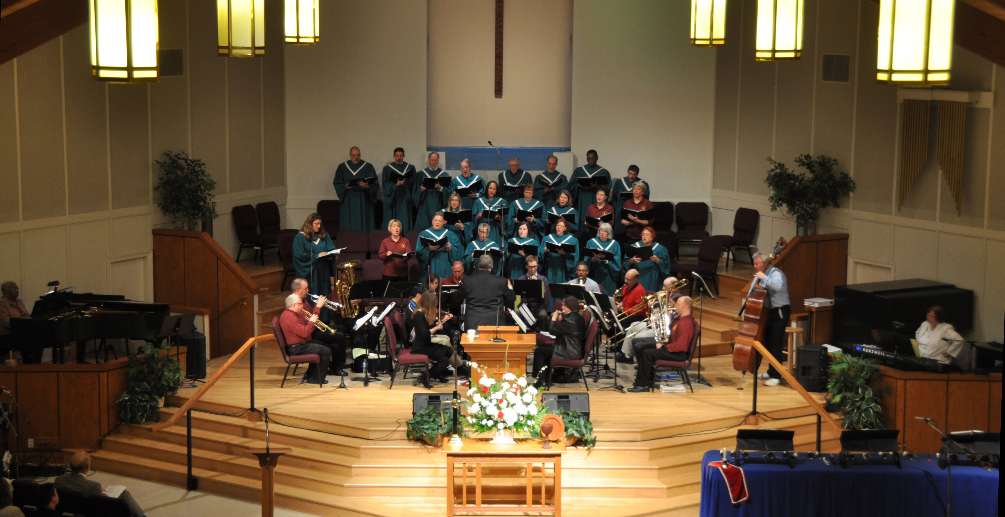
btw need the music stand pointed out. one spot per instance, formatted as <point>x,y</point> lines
<point>604,313</point>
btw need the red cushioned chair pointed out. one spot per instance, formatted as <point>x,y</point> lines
<point>293,360</point>
<point>374,238</point>
<point>679,366</point>
<point>356,245</point>
<point>692,218</point>
<point>744,226</point>
<point>708,263</point>
<point>404,357</point>
<point>246,226</point>
<point>104,506</point>
<point>270,224</point>
<point>330,211</point>
<point>373,269</point>
<point>591,336</point>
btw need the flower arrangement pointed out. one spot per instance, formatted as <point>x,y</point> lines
<point>504,408</point>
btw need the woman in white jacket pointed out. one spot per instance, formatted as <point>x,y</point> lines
<point>937,339</point>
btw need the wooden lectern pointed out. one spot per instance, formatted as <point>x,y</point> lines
<point>267,459</point>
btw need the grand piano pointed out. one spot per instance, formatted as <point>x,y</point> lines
<point>62,317</point>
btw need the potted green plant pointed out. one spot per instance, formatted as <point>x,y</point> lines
<point>577,429</point>
<point>431,424</point>
<point>186,191</point>
<point>151,376</point>
<point>850,390</point>
<point>804,195</point>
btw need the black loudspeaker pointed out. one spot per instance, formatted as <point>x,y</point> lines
<point>195,351</point>
<point>872,440</point>
<point>421,400</point>
<point>764,440</point>
<point>812,364</point>
<point>569,402</point>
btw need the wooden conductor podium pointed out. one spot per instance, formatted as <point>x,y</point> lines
<point>267,459</point>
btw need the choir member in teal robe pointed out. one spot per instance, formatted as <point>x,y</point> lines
<point>398,194</point>
<point>313,260</point>
<point>655,269</point>
<point>622,191</point>
<point>356,186</point>
<point>550,183</point>
<point>467,179</point>
<point>491,202</point>
<point>558,267</point>
<point>516,263</point>
<point>483,242</point>
<point>463,231</point>
<point>438,259</point>
<point>565,210</point>
<point>584,197</point>
<point>607,273</point>
<point>527,202</point>
<point>430,201</point>
<point>514,177</point>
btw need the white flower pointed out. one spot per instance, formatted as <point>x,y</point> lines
<point>486,381</point>
<point>522,381</point>
<point>532,409</point>
<point>491,410</point>
<point>510,416</point>
<point>474,365</point>
<point>475,408</point>
<point>532,390</point>
<point>527,398</point>
<point>471,392</point>
<point>471,420</point>
<point>502,426</point>
<point>497,395</point>
<point>509,377</point>
<point>477,398</point>
<point>503,404</point>
<point>512,398</point>
<point>520,409</point>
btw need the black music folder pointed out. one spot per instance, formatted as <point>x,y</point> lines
<point>490,213</point>
<point>548,183</point>
<point>401,255</point>
<point>522,215</point>
<point>460,216</point>
<point>515,248</point>
<point>495,252</point>
<point>606,255</point>
<point>397,176</point>
<point>554,248</point>
<point>645,215</point>
<point>443,181</point>
<point>560,291</point>
<point>426,241</point>
<point>627,194</point>
<point>595,222</point>
<point>364,182</point>
<point>512,188</point>
<point>585,182</point>
<point>473,188</point>
<point>568,216</point>
<point>529,288</point>
<point>643,252</point>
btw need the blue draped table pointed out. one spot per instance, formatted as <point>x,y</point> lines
<point>813,488</point>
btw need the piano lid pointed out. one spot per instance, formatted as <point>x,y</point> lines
<point>910,284</point>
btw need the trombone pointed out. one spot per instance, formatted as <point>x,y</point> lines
<point>649,298</point>
<point>321,325</point>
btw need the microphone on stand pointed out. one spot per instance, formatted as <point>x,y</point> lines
<point>696,275</point>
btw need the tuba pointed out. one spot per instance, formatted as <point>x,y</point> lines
<point>660,315</point>
<point>345,274</point>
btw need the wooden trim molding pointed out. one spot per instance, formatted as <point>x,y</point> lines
<point>31,23</point>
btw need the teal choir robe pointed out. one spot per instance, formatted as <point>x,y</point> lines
<point>497,230</point>
<point>651,275</point>
<point>398,200</point>
<point>607,273</point>
<point>543,181</point>
<point>441,260</point>
<point>516,265</point>
<point>617,200</point>
<point>558,268</point>
<point>507,178</point>
<point>584,197</point>
<point>317,271</point>
<point>537,229</point>
<point>460,181</point>
<point>464,235</point>
<point>476,245</point>
<point>429,201</point>
<point>357,201</point>
<point>571,217</point>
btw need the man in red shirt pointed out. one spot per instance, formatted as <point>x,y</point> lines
<point>631,301</point>
<point>457,275</point>
<point>335,341</point>
<point>297,330</point>
<point>675,349</point>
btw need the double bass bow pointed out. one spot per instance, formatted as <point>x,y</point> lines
<point>754,318</point>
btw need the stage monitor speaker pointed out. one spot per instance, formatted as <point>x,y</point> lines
<point>195,352</point>
<point>812,363</point>
<point>421,400</point>
<point>974,442</point>
<point>872,440</point>
<point>569,402</point>
<point>769,440</point>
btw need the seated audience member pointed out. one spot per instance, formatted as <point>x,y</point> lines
<point>425,324</point>
<point>334,341</point>
<point>76,480</point>
<point>298,330</point>
<point>11,306</point>
<point>582,278</point>
<point>682,329</point>
<point>538,306</point>
<point>569,329</point>
<point>46,499</point>
<point>7,508</point>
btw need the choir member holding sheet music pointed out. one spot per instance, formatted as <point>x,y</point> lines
<point>636,213</point>
<point>549,183</point>
<point>564,210</point>
<point>489,209</point>
<point>585,181</point>
<point>483,245</point>
<point>560,252</point>
<point>599,212</point>
<point>398,184</point>
<point>650,258</point>
<point>468,185</point>
<point>528,210</point>
<point>313,252</point>
<point>395,251</point>
<point>438,248</point>
<point>622,191</point>
<point>431,191</point>
<point>513,180</point>
<point>605,254</point>
<point>356,186</point>
<point>518,248</point>
<point>457,219</point>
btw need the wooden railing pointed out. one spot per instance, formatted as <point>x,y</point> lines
<point>813,266</point>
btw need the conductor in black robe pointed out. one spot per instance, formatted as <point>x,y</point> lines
<point>485,295</point>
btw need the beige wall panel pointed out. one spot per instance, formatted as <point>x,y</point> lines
<point>921,201</point>
<point>364,84</point>
<point>88,260</point>
<point>863,273</point>
<point>275,102</point>
<point>876,126</point>
<point>168,97</point>
<point>832,128</point>
<point>129,279</point>
<point>43,259</point>
<point>130,235</point>
<point>961,262</point>
<point>780,227</point>
<point>536,80</point>
<point>172,26</point>
<point>9,200</point>
<point>794,128</point>
<point>994,292</point>
<point>915,252</point>
<point>996,204</point>
<point>727,84</point>
<point>757,112</point>
<point>245,110</point>
<point>10,257</point>
<point>86,127</point>
<point>975,170</point>
<point>43,189</point>
<point>870,241</point>
<point>970,72</point>
<point>208,86</point>
<point>127,115</point>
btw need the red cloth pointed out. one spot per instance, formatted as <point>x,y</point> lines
<point>296,328</point>
<point>634,297</point>
<point>634,231</point>
<point>394,266</point>
<point>594,212</point>
<point>735,479</point>
<point>681,334</point>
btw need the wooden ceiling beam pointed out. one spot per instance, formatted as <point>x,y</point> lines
<point>980,32</point>
<point>30,23</point>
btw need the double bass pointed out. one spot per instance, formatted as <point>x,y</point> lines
<point>754,318</point>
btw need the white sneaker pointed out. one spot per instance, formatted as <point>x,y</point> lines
<point>771,382</point>
<point>763,377</point>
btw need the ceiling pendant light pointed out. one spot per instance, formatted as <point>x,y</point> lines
<point>779,30</point>
<point>915,42</point>
<point>708,22</point>
<point>303,26</point>
<point>240,27</point>
<point>123,40</point>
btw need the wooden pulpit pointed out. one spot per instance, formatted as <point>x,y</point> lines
<point>267,459</point>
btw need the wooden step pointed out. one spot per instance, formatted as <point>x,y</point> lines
<point>505,485</point>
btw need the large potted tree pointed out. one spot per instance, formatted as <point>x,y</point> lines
<point>805,194</point>
<point>186,191</point>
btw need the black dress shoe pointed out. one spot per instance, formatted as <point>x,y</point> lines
<point>622,358</point>
<point>638,389</point>
<point>442,378</point>
<point>422,380</point>
<point>315,381</point>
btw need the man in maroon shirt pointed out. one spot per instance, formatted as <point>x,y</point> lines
<point>682,331</point>
<point>335,341</point>
<point>297,330</point>
<point>457,276</point>
<point>631,301</point>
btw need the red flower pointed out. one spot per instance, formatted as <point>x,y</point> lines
<point>485,389</point>
<point>500,415</point>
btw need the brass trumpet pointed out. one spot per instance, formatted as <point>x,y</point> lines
<point>331,304</point>
<point>649,298</point>
<point>320,325</point>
